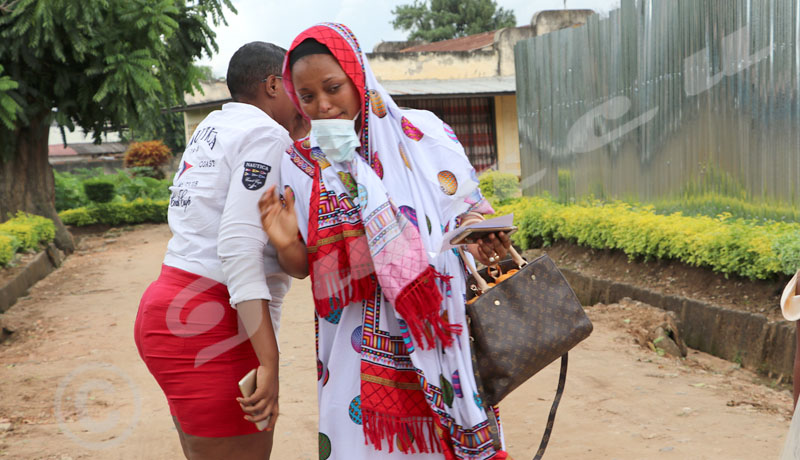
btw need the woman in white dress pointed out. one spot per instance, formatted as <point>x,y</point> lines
<point>371,193</point>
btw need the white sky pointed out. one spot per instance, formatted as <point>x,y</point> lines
<point>370,20</point>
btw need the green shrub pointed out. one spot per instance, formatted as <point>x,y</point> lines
<point>498,186</point>
<point>69,191</point>
<point>78,217</point>
<point>713,179</point>
<point>8,247</point>
<point>86,173</point>
<point>788,248</point>
<point>714,204</point>
<point>130,186</point>
<point>725,245</point>
<point>145,171</point>
<point>24,232</point>
<point>566,186</point>
<point>99,189</point>
<point>117,213</point>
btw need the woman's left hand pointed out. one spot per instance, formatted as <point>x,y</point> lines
<point>263,403</point>
<point>491,249</point>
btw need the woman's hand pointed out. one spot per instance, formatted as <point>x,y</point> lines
<point>491,249</point>
<point>279,222</point>
<point>263,403</point>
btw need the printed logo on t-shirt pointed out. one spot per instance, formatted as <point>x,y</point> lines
<point>184,167</point>
<point>180,199</point>
<point>207,134</point>
<point>255,175</point>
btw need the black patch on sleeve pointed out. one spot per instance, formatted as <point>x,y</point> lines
<point>255,175</point>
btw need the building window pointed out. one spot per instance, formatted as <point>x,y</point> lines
<point>472,119</point>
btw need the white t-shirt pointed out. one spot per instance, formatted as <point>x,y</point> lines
<point>233,156</point>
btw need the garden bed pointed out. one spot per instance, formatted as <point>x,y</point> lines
<point>732,318</point>
<point>673,278</point>
<point>15,281</point>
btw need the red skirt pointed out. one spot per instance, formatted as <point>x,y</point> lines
<point>189,337</point>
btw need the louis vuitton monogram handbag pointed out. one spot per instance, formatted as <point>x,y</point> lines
<point>521,324</point>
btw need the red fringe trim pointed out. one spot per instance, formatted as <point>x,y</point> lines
<point>418,304</point>
<point>416,434</point>
<point>500,455</point>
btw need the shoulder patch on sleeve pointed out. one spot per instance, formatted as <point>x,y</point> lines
<point>255,175</point>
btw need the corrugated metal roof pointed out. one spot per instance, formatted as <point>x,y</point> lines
<point>58,150</point>
<point>86,148</point>
<point>100,149</point>
<point>215,95</point>
<point>454,87</point>
<point>468,43</point>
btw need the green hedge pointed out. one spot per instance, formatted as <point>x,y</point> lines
<point>69,191</point>
<point>8,247</point>
<point>99,189</point>
<point>137,211</point>
<point>128,185</point>
<point>755,250</point>
<point>498,186</point>
<point>712,204</point>
<point>24,232</point>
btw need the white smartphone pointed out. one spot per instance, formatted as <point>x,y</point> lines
<point>248,386</point>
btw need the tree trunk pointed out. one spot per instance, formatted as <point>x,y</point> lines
<point>26,180</point>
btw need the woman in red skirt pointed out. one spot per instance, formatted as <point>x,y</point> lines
<point>213,314</point>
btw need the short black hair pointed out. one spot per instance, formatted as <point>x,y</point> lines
<point>249,65</point>
<point>307,47</point>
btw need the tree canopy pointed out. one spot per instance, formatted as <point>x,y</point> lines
<point>99,64</point>
<point>446,19</point>
<point>96,64</point>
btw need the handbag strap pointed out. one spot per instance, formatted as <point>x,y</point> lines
<point>473,271</point>
<point>562,379</point>
<point>481,283</point>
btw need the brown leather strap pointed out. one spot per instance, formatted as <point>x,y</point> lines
<point>562,379</point>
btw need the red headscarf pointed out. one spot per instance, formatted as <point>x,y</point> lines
<point>339,255</point>
<point>342,52</point>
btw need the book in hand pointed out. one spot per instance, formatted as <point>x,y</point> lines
<point>473,232</point>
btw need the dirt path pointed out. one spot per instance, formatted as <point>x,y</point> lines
<point>72,385</point>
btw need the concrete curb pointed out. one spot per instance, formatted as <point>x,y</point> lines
<point>745,338</point>
<point>42,265</point>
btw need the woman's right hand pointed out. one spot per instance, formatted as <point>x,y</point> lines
<point>279,222</point>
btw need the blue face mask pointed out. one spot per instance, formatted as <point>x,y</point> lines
<point>337,138</point>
